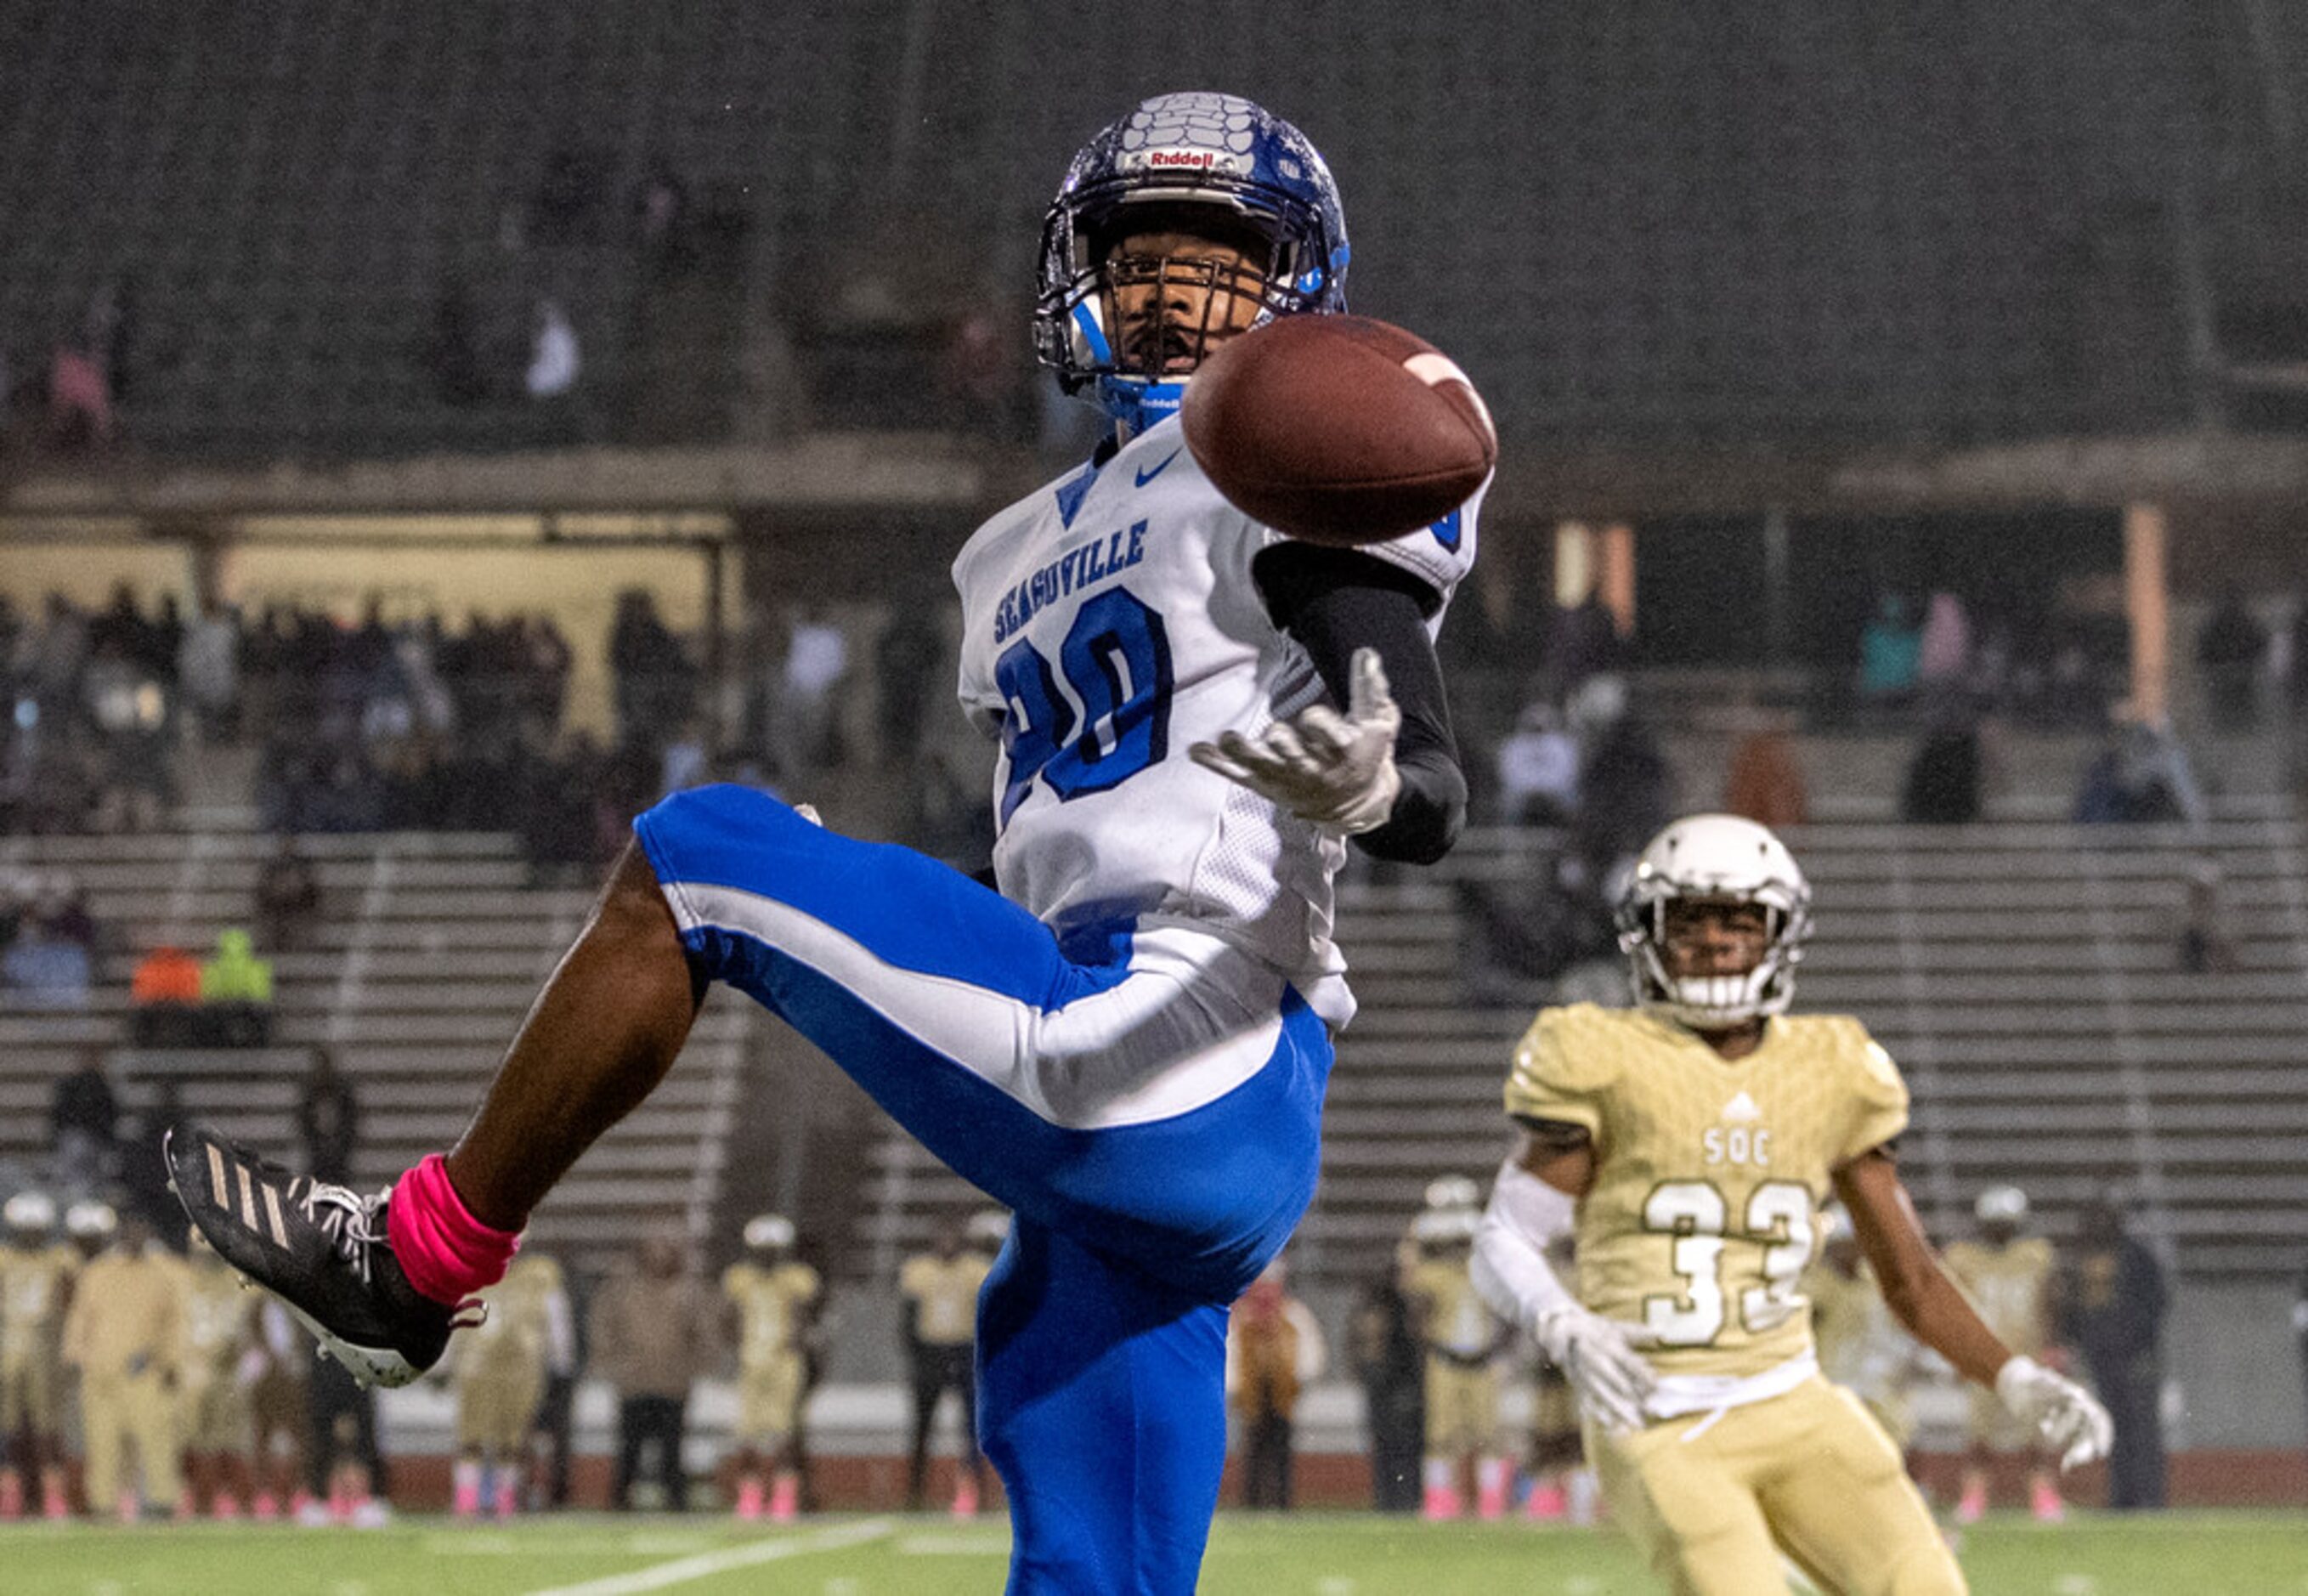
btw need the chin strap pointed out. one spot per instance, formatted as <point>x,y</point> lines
<point>1136,405</point>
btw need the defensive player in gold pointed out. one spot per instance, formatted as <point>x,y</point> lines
<point>773,1296</point>
<point>215,1420</point>
<point>36,1276</point>
<point>1462,1339</point>
<point>1688,1143</point>
<point>2008,1277</point>
<point>500,1367</point>
<point>940,1289</point>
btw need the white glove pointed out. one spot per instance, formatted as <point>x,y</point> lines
<point>1335,770</point>
<point>2068,1418</point>
<point>1598,1356</point>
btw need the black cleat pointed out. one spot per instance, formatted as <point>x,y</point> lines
<point>319,1249</point>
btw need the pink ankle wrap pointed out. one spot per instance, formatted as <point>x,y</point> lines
<point>446,1252</point>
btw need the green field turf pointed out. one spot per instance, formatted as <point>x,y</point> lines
<point>1317,1554</point>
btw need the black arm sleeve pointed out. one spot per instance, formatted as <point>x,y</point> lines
<point>1336,600</point>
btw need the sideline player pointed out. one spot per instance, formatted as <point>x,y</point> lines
<point>2008,1277</point>
<point>215,1421</point>
<point>36,1281</point>
<point>940,1288</point>
<point>772,1298</point>
<point>1128,1043</point>
<point>1462,1343</point>
<point>1688,1143</point>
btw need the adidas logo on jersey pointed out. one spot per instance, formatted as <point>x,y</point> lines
<point>1741,1110</point>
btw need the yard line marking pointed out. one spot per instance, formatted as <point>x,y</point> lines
<point>705,1564</point>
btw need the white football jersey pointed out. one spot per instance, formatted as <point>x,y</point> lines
<point>1110,622</point>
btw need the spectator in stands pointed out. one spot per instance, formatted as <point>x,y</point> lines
<point>287,897</point>
<point>2232,649</point>
<point>49,955</point>
<point>656,684</point>
<point>328,1119</point>
<point>2207,944</point>
<point>1765,779</point>
<point>236,992</point>
<point>554,360</point>
<point>652,1334</point>
<point>1538,769</point>
<point>208,671</point>
<point>1274,1352</point>
<point>940,1289</point>
<point>84,1125</point>
<point>1389,1365</point>
<point>2113,1299</point>
<point>2139,776</point>
<point>164,998</point>
<point>1943,647</point>
<point>817,659</point>
<point>142,1186</point>
<point>80,401</point>
<point>1891,651</point>
<point>1625,784</point>
<point>1946,781</point>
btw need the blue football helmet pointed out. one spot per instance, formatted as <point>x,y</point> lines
<point>1206,164</point>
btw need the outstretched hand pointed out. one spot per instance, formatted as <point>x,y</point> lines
<point>1337,771</point>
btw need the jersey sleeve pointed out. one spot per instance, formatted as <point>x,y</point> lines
<point>1439,555</point>
<point>1879,1097</point>
<point>1562,1068</point>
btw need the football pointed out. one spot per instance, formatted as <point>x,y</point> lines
<point>1338,429</point>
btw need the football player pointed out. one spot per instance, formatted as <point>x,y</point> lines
<point>36,1279</point>
<point>1463,1341</point>
<point>214,1418</point>
<point>1688,1143</point>
<point>2008,1277</point>
<point>499,1372</point>
<point>1860,1347</point>
<point>1127,1041</point>
<point>940,1289</point>
<point>772,1296</point>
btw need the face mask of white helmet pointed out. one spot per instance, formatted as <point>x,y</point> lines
<point>1718,859</point>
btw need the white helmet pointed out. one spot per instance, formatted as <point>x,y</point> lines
<point>1719,858</point>
<point>2001,1205</point>
<point>1452,1191</point>
<point>31,1210</point>
<point>91,1220</point>
<point>768,1233</point>
<point>1441,1226</point>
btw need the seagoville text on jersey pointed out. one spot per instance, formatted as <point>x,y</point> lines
<point>1078,568</point>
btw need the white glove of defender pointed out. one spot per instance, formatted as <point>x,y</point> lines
<point>1598,1356</point>
<point>2068,1418</point>
<point>1335,770</point>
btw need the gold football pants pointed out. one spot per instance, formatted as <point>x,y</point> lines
<point>1715,1499</point>
<point>132,1409</point>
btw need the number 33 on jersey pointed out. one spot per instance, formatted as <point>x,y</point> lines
<point>1708,1174</point>
<point>1109,624</point>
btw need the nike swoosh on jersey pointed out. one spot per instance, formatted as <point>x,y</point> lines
<point>1144,477</point>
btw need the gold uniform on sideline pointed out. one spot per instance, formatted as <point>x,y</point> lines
<point>34,1283</point>
<point>1461,1386</point>
<point>770,1364</point>
<point>1860,1347</point>
<point>216,1322</point>
<point>2010,1285</point>
<point>501,1363</point>
<point>1697,1227</point>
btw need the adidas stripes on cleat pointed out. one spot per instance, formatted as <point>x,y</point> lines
<point>319,1249</point>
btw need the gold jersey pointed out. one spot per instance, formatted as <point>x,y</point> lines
<point>215,1321</point>
<point>1709,1172</point>
<point>2010,1285</point>
<point>513,1341</point>
<point>769,1309</point>
<point>1456,1321</point>
<point>34,1282</point>
<point>945,1293</point>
